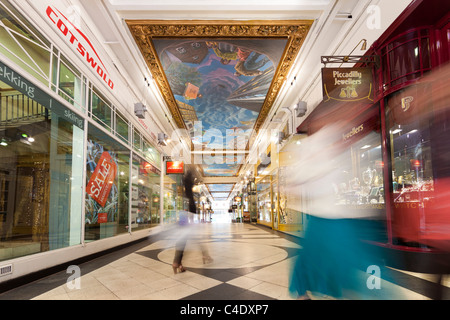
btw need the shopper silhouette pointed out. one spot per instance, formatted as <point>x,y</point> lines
<point>185,225</point>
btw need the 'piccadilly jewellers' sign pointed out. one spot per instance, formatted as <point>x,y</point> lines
<point>80,43</point>
<point>18,82</point>
<point>347,84</point>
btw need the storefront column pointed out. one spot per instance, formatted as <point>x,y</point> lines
<point>83,184</point>
<point>77,194</point>
<point>65,217</point>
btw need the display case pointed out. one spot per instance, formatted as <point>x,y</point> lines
<point>412,165</point>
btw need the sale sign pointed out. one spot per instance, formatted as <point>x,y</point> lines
<point>101,181</point>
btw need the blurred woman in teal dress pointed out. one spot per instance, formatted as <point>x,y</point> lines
<point>332,254</point>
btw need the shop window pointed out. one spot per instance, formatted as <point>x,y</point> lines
<point>122,127</point>
<point>173,200</point>
<point>145,194</point>
<point>40,175</point>
<point>358,177</point>
<point>151,153</point>
<point>275,200</point>
<point>409,130</point>
<point>289,202</point>
<point>361,177</point>
<point>101,110</point>
<point>137,140</point>
<point>23,44</point>
<point>70,84</point>
<point>406,58</point>
<point>264,201</point>
<point>107,186</point>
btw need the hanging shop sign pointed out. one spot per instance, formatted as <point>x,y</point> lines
<point>102,180</point>
<point>347,84</point>
<point>80,43</point>
<point>174,167</point>
<point>18,82</point>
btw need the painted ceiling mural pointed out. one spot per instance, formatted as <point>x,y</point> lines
<point>220,192</point>
<point>220,86</point>
<point>219,80</point>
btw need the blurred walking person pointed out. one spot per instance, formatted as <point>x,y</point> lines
<point>331,251</point>
<point>185,228</point>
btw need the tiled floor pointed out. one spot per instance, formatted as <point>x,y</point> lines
<point>250,263</point>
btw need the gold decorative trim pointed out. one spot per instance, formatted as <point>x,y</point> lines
<point>144,31</point>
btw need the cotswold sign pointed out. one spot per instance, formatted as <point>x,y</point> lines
<point>347,84</point>
<point>80,43</point>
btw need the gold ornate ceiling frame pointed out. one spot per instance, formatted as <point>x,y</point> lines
<point>144,31</point>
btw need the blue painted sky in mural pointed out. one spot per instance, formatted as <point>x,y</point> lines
<point>225,83</point>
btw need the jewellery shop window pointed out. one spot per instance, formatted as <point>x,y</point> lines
<point>361,178</point>
<point>411,156</point>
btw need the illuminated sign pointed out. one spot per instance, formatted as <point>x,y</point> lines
<point>174,167</point>
<point>80,43</point>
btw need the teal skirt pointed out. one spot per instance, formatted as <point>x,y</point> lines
<point>330,257</point>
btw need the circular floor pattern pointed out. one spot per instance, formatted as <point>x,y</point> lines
<point>226,255</point>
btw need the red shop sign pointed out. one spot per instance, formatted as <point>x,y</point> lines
<point>101,181</point>
<point>102,217</point>
<point>80,43</point>
<point>174,167</point>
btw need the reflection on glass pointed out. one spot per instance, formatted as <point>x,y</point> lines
<point>21,43</point>
<point>151,153</point>
<point>264,200</point>
<point>362,173</point>
<point>122,127</point>
<point>101,110</point>
<point>412,169</point>
<point>70,84</point>
<point>136,140</point>
<point>145,194</point>
<point>40,178</point>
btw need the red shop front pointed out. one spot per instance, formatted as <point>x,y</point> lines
<point>399,150</point>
